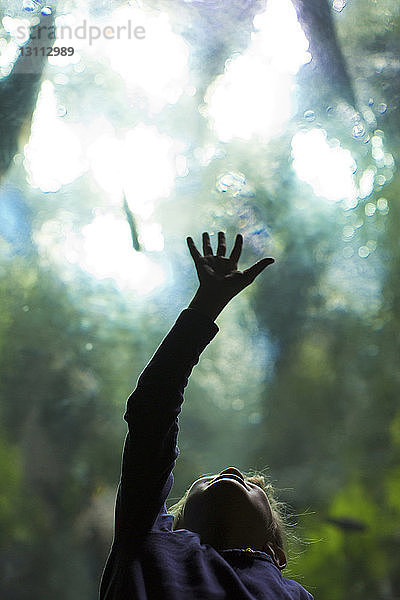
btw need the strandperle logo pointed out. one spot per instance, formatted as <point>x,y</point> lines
<point>83,31</point>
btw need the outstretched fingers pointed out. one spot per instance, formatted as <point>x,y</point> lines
<point>195,254</point>
<point>207,250</point>
<point>221,250</point>
<point>237,249</point>
<point>252,272</point>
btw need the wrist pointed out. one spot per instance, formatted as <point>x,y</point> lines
<point>209,306</point>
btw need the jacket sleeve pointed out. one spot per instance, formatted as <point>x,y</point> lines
<point>150,449</point>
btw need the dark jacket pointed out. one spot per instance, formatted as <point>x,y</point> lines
<point>149,561</point>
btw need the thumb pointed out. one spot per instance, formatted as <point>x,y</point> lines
<point>252,272</point>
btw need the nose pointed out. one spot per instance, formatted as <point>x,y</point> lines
<point>233,471</point>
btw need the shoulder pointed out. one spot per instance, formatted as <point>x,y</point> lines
<point>297,591</point>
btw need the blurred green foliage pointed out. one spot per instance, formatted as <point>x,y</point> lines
<point>303,377</point>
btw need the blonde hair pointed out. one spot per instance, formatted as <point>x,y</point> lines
<point>276,531</point>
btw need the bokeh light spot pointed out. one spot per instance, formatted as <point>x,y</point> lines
<point>329,170</point>
<point>254,95</point>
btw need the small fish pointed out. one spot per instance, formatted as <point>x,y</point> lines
<point>132,225</point>
<point>347,523</point>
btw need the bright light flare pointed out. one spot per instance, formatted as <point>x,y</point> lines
<point>53,155</point>
<point>103,249</point>
<point>108,253</point>
<point>157,65</point>
<point>328,169</point>
<point>254,95</point>
<point>143,166</point>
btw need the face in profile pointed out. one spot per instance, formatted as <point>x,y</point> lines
<point>228,511</point>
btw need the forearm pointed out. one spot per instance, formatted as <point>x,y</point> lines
<point>207,304</point>
<point>152,416</point>
<point>176,356</point>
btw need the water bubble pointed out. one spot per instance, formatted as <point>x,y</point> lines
<point>367,182</point>
<point>348,252</point>
<point>380,180</point>
<point>388,175</point>
<point>29,5</point>
<point>350,203</point>
<point>348,232</point>
<point>237,404</point>
<point>369,116</point>
<point>376,140</point>
<point>382,205</point>
<point>363,251</point>
<point>25,308</point>
<point>370,209</point>
<point>356,118</point>
<point>46,10</point>
<point>80,67</point>
<point>330,111</point>
<point>382,108</point>
<point>389,160</point>
<point>309,115</point>
<point>339,5</point>
<point>89,347</point>
<point>359,222</point>
<point>370,102</point>
<point>61,111</point>
<point>232,182</point>
<point>358,130</point>
<point>377,153</point>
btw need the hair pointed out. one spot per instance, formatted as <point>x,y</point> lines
<point>276,531</point>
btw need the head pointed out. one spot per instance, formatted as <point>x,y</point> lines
<point>230,510</point>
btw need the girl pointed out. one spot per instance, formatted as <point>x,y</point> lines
<point>226,542</point>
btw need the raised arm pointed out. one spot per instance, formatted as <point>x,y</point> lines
<point>150,449</point>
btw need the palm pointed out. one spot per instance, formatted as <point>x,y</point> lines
<point>220,274</point>
<point>217,266</point>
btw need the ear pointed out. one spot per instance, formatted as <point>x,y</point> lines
<point>277,555</point>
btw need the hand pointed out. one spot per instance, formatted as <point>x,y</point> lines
<point>219,278</point>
